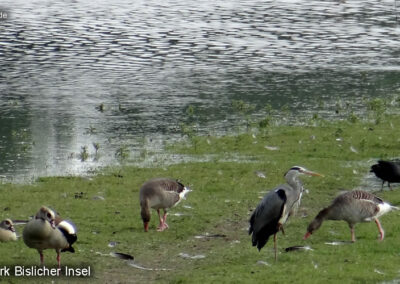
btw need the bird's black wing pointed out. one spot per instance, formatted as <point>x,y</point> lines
<point>264,220</point>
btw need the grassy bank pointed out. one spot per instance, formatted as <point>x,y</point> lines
<point>213,221</point>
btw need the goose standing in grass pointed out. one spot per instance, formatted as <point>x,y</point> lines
<point>7,231</point>
<point>387,171</point>
<point>48,231</point>
<point>276,207</point>
<point>353,207</point>
<point>160,193</point>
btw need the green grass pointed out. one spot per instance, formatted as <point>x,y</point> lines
<point>225,191</point>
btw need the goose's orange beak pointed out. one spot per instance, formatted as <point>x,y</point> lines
<point>307,235</point>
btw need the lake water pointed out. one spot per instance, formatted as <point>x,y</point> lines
<point>80,73</point>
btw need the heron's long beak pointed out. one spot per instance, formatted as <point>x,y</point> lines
<point>313,174</point>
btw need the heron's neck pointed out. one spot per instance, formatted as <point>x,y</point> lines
<point>294,182</point>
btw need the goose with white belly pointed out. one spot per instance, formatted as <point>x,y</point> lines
<point>160,193</point>
<point>7,231</point>
<point>353,207</point>
<point>48,231</point>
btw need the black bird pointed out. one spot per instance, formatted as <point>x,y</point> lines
<point>276,207</point>
<point>387,171</point>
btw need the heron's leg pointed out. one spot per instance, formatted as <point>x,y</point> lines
<point>275,248</point>
<point>381,232</point>
<point>390,186</point>
<point>280,228</point>
<point>383,183</point>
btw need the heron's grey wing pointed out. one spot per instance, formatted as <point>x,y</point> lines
<point>265,218</point>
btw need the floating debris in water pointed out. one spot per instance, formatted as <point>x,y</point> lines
<point>271,148</point>
<point>198,256</point>
<point>261,262</point>
<point>260,174</point>
<point>187,207</point>
<point>295,248</point>
<point>121,255</point>
<point>339,243</point>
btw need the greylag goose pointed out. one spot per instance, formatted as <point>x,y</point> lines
<point>7,231</point>
<point>353,207</point>
<point>276,207</point>
<point>160,193</point>
<point>387,171</point>
<point>48,231</point>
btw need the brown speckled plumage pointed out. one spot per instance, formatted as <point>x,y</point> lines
<point>159,193</point>
<point>353,207</point>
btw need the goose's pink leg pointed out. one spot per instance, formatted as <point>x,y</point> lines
<point>58,259</point>
<point>381,232</point>
<point>160,227</point>
<point>165,220</point>
<point>41,258</point>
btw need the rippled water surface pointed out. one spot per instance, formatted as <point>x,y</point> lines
<point>82,73</point>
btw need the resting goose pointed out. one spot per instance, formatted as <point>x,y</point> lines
<point>353,207</point>
<point>7,231</point>
<point>160,193</point>
<point>48,231</point>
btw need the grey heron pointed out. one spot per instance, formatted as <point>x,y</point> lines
<point>276,207</point>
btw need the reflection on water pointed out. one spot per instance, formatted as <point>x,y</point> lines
<point>82,73</point>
